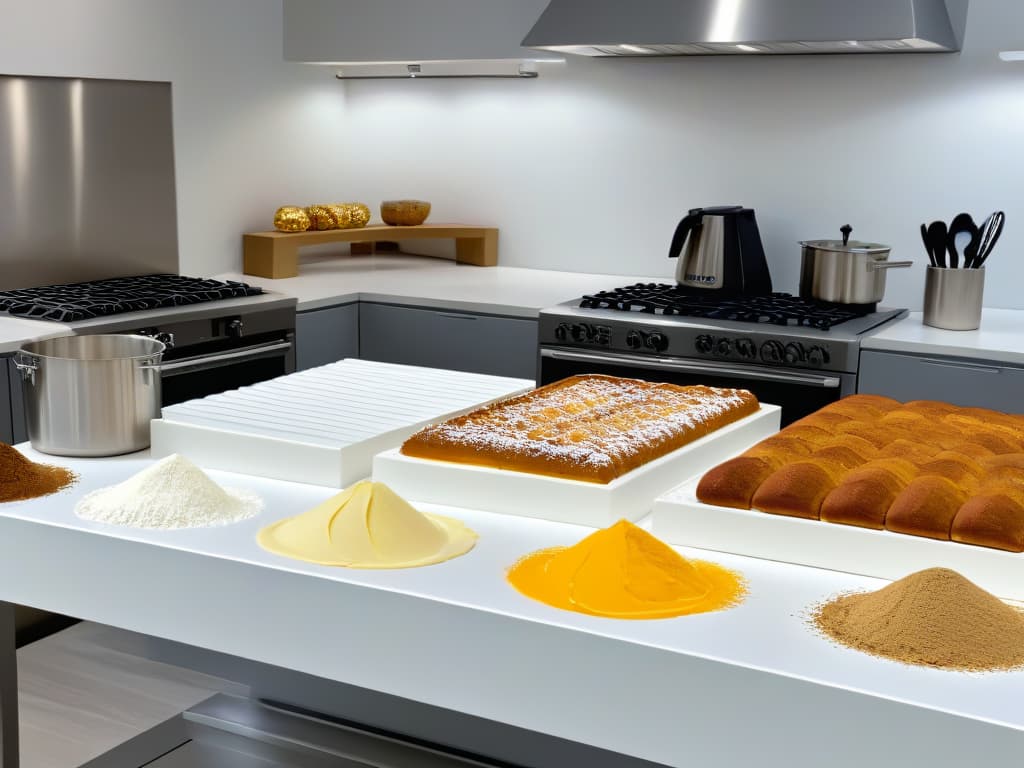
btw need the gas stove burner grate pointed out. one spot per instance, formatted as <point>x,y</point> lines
<point>98,298</point>
<point>776,308</point>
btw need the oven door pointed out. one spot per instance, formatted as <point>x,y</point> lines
<point>798,393</point>
<point>205,374</point>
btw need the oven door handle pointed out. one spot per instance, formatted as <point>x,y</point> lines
<point>712,368</point>
<point>204,362</point>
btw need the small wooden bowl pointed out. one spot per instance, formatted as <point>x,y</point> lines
<point>406,213</point>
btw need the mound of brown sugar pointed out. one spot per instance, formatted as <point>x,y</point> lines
<point>934,618</point>
<point>21,478</point>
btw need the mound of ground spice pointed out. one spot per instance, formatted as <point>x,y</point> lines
<point>934,618</point>
<point>623,572</point>
<point>21,478</point>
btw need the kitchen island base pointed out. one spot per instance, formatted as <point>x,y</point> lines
<point>748,686</point>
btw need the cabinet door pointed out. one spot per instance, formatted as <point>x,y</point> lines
<point>18,426</point>
<point>951,380</point>
<point>459,341</point>
<point>326,335</point>
<point>6,433</point>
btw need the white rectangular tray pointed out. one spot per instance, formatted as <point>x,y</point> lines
<point>568,501</point>
<point>680,518</point>
<point>323,425</point>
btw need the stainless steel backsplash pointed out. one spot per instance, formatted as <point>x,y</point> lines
<point>86,180</point>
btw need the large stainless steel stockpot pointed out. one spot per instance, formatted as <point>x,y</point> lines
<point>91,395</point>
<point>845,271</point>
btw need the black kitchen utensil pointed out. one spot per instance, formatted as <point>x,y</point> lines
<point>927,247</point>
<point>962,224</point>
<point>937,239</point>
<point>990,232</point>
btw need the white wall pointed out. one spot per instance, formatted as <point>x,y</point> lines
<point>590,168</point>
<point>251,132</point>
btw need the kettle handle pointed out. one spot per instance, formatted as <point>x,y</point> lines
<point>692,221</point>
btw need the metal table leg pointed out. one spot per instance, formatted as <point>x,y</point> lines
<point>8,689</point>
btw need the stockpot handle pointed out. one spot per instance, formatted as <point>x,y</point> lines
<point>27,366</point>
<point>876,265</point>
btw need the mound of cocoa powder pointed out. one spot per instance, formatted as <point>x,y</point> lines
<point>934,618</point>
<point>21,478</point>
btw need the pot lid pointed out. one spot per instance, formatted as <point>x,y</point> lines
<point>846,245</point>
<point>854,246</point>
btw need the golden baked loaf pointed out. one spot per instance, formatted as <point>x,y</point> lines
<point>923,468</point>
<point>291,218</point>
<point>591,427</point>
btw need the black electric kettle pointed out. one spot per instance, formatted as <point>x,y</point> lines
<point>720,253</point>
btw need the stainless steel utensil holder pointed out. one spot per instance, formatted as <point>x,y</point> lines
<point>953,297</point>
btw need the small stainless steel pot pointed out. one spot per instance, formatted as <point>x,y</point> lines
<point>844,271</point>
<point>91,395</point>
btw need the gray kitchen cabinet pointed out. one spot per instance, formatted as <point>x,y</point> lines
<point>326,335</point>
<point>6,433</point>
<point>953,380</point>
<point>461,341</point>
<point>19,429</point>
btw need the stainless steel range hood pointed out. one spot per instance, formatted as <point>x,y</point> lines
<point>423,39</point>
<point>707,27</point>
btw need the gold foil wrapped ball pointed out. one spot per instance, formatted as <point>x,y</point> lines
<point>359,213</point>
<point>404,212</point>
<point>291,218</point>
<point>349,215</point>
<point>320,216</point>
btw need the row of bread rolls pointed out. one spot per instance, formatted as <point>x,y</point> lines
<point>291,218</point>
<point>922,468</point>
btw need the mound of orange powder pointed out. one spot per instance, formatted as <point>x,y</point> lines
<point>623,572</point>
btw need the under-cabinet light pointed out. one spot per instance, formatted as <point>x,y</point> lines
<point>634,48</point>
<point>426,70</point>
<point>1011,55</point>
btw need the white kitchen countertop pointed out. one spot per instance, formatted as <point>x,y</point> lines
<point>433,282</point>
<point>14,332</point>
<point>1000,338</point>
<point>751,685</point>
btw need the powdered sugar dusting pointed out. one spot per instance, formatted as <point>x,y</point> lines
<point>601,426</point>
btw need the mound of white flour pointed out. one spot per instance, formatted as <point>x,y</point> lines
<point>172,493</point>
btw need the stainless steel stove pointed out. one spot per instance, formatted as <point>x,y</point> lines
<point>792,352</point>
<point>218,335</point>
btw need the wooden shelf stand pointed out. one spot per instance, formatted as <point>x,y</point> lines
<point>276,254</point>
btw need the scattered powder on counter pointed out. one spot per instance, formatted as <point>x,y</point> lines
<point>22,479</point>
<point>934,618</point>
<point>172,493</point>
<point>624,572</point>
<point>368,526</point>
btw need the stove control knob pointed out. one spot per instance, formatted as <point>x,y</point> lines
<point>723,347</point>
<point>794,353</point>
<point>166,338</point>
<point>634,339</point>
<point>236,328</point>
<point>817,355</point>
<point>562,331</point>
<point>579,332</point>
<point>657,341</point>
<point>746,348</point>
<point>705,344</point>
<point>773,352</point>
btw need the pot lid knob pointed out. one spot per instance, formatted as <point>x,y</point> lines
<point>846,229</point>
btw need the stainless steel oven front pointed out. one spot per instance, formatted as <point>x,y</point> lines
<point>797,392</point>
